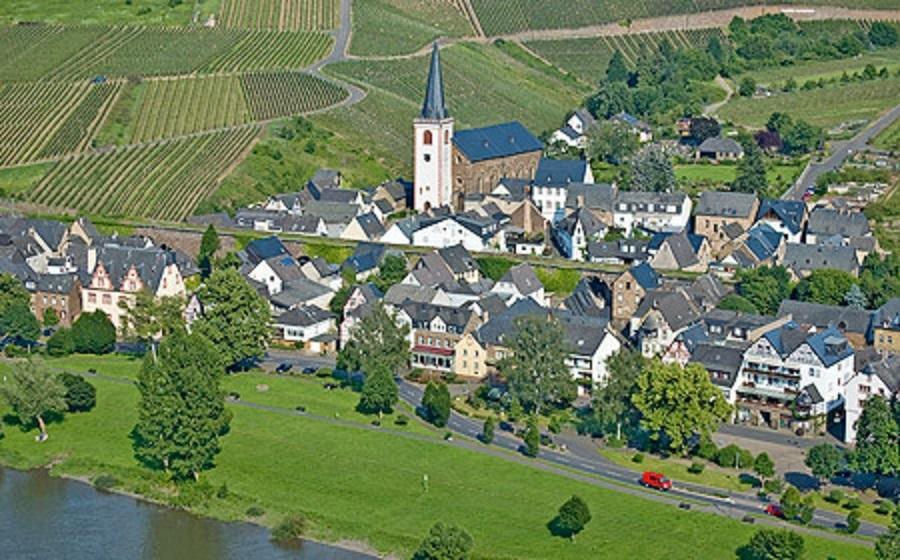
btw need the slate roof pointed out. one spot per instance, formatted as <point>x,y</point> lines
<point>631,121</point>
<point>398,294</point>
<point>589,298</point>
<point>789,212</point>
<point>622,249</point>
<point>366,257</point>
<point>599,196</point>
<point>304,316</point>
<point>719,358</point>
<point>301,224</point>
<point>422,314</point>
<point>286,267</point>
<point>827,222</point>
<point>802,257</point>
<point>726,204</point>
<point>332,212</point>
<point>371,226</point>
<point>324,178</point>
<point>298,291</point>
<point>524,278</point>
<point>586,118</point>
<point>639,201</point>
<point>497,141</point>
<point>763,242</point>
<point>721,145</point>
<point>51,231</point>
<point>148,262</point>
<point>590,224</point>
<point>645,276</point>
<point>887,368</point>
<point>517,188</point>
<point>262,249</point>
<point>787,338</point>
<point>497,330</point>
<point>458,259</point>
<point>830,346</point>
<point>56,283</point>
<point>684,246</point>
<point>432,269</point>
<point>888,315</point>
<point>434,107</point>
<point>847,319</point>
<point>560,171</point>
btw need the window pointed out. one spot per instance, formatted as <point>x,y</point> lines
<point>92,298</point>
<point>446,137</point>
<point>427,138</point>
<point>427,157</point>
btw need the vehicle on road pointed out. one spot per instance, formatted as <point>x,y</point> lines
<point>283,367</point>
<point>309,370</point>
<point>656,480</point>
<point>775,511</point>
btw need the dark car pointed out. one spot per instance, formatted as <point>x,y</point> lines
<point>506,426</point>
<point>283,367</point>
<point>309,370</point>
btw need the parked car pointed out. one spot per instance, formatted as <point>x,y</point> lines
<point>309,370</point>
<point>775,511</point>
<point>283,367</point>
<point>656,480</point>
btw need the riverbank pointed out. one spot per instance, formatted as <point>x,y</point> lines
<point>360,484</point>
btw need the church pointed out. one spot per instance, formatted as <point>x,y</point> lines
<point>447,165</point>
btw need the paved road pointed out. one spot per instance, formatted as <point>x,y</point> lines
<point>815,170</point>
<point>581,455</point>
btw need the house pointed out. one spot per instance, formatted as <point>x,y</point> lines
<point>556,200</point>
<point>364,227</point>
<point>482,156</point>
<point>787,217</point>
<point>365,261</point>
<point>717,209</point>
<point>801,259</point>
<point>679,251</point>
<point>886,326</point>
<point>590,298</point>
<point>435,331</point>
<point>319,270</point>
<point>825,223</point>
<point>720,327</point>
<point>638,127</point>
<point>259,250</point>
<point>573,233</point>
<point>723,362</point>
<point>629,289</point>
<point>336,215</point>
<point>307,327</point>
<point>306,224</point>
<point>667,212</point>
<point>288,203</point>
<point>360,303</point>
<point>661,317</point>
<point>573,133</point>
<point>719,149</point>
<point>60,293</point>
<point>454,263</point>
<point>762,245</point>
<point>878,376</point>
<point>475,233</point>
<point>520,282</point>
<point>301,292</point>
<point>562,172</point>
<point>590,341</point>
<point>324,179</point>
<point>396,193</point>
<point>276,272</point>
<point>853,323</point>
<point>793,376</point>
<point>401,231</point>
<point>258,219</point>
<point>620,252</point>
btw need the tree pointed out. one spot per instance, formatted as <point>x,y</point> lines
<point>775,544</point>
<point>532,438</point>
<point>573,516</point>
<point>765,286</point>
<point>150,318</point>
<point>824,460</point>
<point>853,521</point>
<point>536,372</point>
<point>61,343</point>
<point>376,340</point>
<point>33,393</point>
<point>652,170</point>
<point>882,34</point>
<point>795,507</point>
<point>445,542</point>
<point>339,300</point>
<point>825,285</point>
<point>181,411</point>
<point>12,290</point>
<point>209,244</point>
<point>617,70</point>
<point>94,333</point>
<point>751,170</point>
<point>680,402</point>
<point>379,393</point>
<point>764,466</point>
<point>703,128</point>
<point>735,302</point>
<point>887,547</point>
<point>17,321</point>
<point>80,395</point>
<point>235,317</point>
<point>855,297</point>
<point>50,318</point>
<point>391,271</point>
<point>877,434</point>
<point>612,404</point>
<point>800,138</point>
<point>610,141</point>
<point>487,430</point>
<point>747,87</point>
<point>436,403</point>
<point>611,99</point>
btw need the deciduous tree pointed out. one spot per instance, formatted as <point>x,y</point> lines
<point>764,466</point>
<point>94,333</point>
<point>765,286</point>
<point>379,393</point>
<point>652,170</point>
<point>736,302</point>
<point>877,435</point>
<point>532,438</point>
<point>436,403</point>
<point>825,285</point>
<point>33,393</point>
<point>49,317</point>
<point>376,340</point>
<point>12,290</point>
<point>617,70</point>
<point>824,460</point>
<point>612,406</point>
<point>80,395</point>
<point>703,128</point>
<point>445,542</point>
<point>574,515</point>
<point>775,544</point>
<point>487,430</point>
<point>209,244</point>
<point>610,141</point>
<point>17,321</point>
<point>751,170</point>
<point>887,547</point>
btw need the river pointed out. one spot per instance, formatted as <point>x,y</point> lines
<point>43,517</point>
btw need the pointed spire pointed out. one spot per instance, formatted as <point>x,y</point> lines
<point>434,107</point>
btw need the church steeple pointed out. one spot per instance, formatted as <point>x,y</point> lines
<point>434,107</point>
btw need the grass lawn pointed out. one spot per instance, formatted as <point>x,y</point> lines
<point>825,107</point>
<point>560,281</point>
<point>335,254</point>
<point>138,12</point>
<point>826,69</point>
<point>889,139</point>
<point>393,27</point>
<point>703,176</point>
<point>885,214</point>
<point>712,475</point>
<point>867,509</point>
<point>367,485</point>
<point>19,179</point>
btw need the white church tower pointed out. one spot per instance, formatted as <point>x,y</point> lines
<point>433,182</point>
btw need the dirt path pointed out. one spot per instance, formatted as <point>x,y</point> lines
<point>713,108</point>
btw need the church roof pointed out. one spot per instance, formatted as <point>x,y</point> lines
<point>497,141</point>
<point>434,106</point>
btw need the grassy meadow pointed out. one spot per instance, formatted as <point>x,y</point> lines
<point>396,27</point>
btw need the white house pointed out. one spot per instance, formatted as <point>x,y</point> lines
<point>573,234</point>
<point>304,324</point>
<point>879,377</point>
<point>550,188</point>
<point>275,272</point>
<point>520,282</point>
<point>591,342</point>
<point>572,134</point>
<point>472,232</point>
<point>666,212</point>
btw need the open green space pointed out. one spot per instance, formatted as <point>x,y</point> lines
<point>698,177</point>
<point>885,215</point>
<point>712,475</point>
<point>366,485</point>
<point>21,179</point>
<point>560,281</point>
<point>394,27</point>
<point>145,12</point>
<point>889,139</point>
<point>825,107</point>
<point>335,254</point>
<point>827,69</point>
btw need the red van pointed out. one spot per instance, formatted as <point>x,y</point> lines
<point>656,480</point>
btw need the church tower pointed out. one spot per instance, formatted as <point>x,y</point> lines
<point>433,140</point>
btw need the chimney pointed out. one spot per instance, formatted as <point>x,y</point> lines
<point>579,201</point>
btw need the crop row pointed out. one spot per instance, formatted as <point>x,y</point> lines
<point>278,94</point>
<point>78,130</point>
<point>45,52</point>
<point>163,181</point>
<point>587,58</point>
<point>281,15</point>
<point>31,114</point>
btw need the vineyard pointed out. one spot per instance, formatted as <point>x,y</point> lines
<point>165,180</point>
<point>77,131</point>
<point>392,27</point>
<point>280,15</point>
<point>272,50</point>
<point>588,58</point>
<point>278,94</point>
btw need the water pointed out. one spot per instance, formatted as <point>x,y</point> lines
<point>43,517</point>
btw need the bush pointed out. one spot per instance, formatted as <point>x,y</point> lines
<point>884,507</point>
<point>61,343</point>
<point>324,372</point>
<point>94,333</point>
<point>290,528</point>
<point>81,396</point>
<point>732,456</point>
<point>773,486</point>
<point>853,521</point>
<point>401,420</point>
<point>222,492</point>
<point>707,450</point>
<point>696,468</point>
<point>105,482</point>
<point>835,496</point>
<point>852,503</point>
<point>637,458</point>
<point>255,511</point>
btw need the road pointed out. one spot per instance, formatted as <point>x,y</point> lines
<point>843,151</point>
<point>581,456</point>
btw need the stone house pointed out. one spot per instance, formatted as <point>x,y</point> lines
<point>717,209</point>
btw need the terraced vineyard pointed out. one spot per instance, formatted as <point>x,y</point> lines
<point>588,58</point>
<point>281,15</point>
<point>78,130</point>
<point>165,180</point>
<point>272,50</point>
<point>278,94</point>
<point>392,27</point>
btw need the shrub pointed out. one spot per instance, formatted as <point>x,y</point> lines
<point>852,503</point>
<point>707,450</point>
<point>637,458</point>
<point>324,372</point>
<point>884,507</point>
<point>401,420</point>
<point>835,496</point>
<point>94,333</point>
<point>222,492</point>
<point>105,482</point>
<point>255,511</point>
<point>61,343</point>
<point>773,486</point>
<point>81,396</point>
<point>290,528</point>
<point>853,521</point>
<point>696,468</point>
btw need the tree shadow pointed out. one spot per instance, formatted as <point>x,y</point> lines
<point>137,444</point>
<point>744,552</point>
<point>557,530</point>
<point>802,481</point>
<point>747,478</point>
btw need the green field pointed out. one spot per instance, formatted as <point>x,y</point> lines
<point>827,69</point>
<point>366,485</point>
<point>281,15</point>
<point>824,107</point>
<point>889,139</point>
<point>392,27</point>
<point>143,12</point>
<point>14,180</point>
<point>707,175</point>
